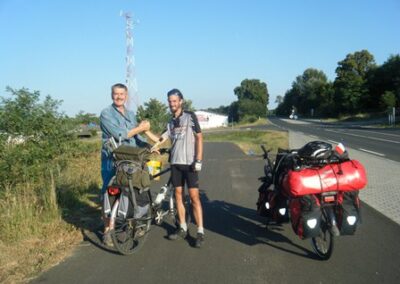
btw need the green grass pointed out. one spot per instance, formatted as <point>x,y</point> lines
<point>250,140</point>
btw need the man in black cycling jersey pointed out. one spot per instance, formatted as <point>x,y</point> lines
<point>186,160</point>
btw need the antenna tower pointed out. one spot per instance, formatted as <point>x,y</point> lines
<point>133,97</point>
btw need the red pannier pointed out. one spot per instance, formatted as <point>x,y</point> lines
<point>345,176</point>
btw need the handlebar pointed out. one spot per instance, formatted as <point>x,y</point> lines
<point>160,173</point>
<point>264,150</point>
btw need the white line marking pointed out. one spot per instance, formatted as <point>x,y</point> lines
<point>313,136</point>
<point>372,152</point>
<point>389,134</point>
<point>334,142</point>
<point>368,137</point>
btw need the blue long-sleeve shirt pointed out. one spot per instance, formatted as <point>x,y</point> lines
<point>115,124</point>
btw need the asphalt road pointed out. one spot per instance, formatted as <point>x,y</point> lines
<point>238,248</point>
<point>378,141</point>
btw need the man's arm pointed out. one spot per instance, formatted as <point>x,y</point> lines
<point>199,146</point>
<point>152,136</point>
<point>108,124</point>
<point>142,127</point>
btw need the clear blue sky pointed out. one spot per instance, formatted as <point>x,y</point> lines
<point>75,50</point>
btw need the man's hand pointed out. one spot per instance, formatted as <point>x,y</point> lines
<point>144,125</point>
<point>197,165</point>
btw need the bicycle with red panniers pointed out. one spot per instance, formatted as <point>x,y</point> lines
<point>316,189</point>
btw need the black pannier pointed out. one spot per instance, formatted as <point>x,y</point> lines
<point>348,212</point>
<point>305,214</point>
<point>272,205</point>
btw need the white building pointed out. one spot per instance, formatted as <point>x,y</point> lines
<point>210,120</point>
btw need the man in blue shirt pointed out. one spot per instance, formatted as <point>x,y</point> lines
<point>118,122</point>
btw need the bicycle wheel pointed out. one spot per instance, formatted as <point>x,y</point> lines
<point>129,234</point>
<point>323,243</point>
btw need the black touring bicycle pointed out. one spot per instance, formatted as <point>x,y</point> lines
<point>129,201</point>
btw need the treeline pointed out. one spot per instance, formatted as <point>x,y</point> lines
<point>251,104</point>
<point>360,86</point>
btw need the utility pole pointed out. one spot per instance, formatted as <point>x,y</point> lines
<point>131,83</point>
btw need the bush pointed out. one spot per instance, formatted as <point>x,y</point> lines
<point>249,119</point>
<point>36,142</point>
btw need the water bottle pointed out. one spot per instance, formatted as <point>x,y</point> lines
<point>161,195</point>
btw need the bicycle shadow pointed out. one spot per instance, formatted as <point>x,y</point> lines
<point>245,226</point>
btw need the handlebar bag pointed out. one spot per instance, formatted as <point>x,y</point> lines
<point>131,153</point>
<point>346,176</point>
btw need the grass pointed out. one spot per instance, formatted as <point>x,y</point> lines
<point>250,140</point>
<point>41,221</point>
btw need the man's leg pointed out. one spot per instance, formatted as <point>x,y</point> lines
<point>177,182</point>
<point>180,206</point>
<point>196,205</point>
<point>107,172</point>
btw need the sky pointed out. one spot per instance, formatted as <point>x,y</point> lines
<point>75,50</point>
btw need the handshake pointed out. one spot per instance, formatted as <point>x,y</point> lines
<point>144,125</point>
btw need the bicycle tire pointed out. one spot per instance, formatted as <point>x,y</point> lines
<point>323,244</point>
<point>128,234</point>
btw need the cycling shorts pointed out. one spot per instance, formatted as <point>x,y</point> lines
<point>184,173</point>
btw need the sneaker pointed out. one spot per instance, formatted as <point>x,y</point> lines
<point>107,241</point>
<point>199,240</point>
<point>178,234</point>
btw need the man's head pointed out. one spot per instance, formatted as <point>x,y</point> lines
<point>175,100</point>
<point>119,94</point>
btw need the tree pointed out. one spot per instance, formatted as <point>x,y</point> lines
<point>33,136</point>
<point>385,78</point>
<point>310,91</point>
<point>350,84</point>
<point>156,112</point>
<point>388,100</point>
<point>224,110</point>
<point>188,105</point>
<point>252,97</point>
<point>279,99</point>
<point>87,118</point>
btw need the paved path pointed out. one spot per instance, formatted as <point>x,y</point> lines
<point>383,189</point>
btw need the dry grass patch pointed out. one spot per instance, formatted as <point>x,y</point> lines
<point>250,140</point>
<point>41,222</point>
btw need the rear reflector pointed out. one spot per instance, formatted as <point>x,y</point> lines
<point>113,190</point>
<point>329,198</point>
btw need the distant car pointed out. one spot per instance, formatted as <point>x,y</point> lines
<point>293,116</point>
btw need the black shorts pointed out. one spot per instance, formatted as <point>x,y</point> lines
<point>184,173</point>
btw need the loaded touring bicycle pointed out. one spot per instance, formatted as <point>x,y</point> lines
<point>315,188</point>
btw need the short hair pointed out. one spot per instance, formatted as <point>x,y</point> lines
<point>119,86</point>
<point>175,92</point>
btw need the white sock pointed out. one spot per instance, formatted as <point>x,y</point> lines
<point>183,226</point>
<point>200,230</point>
